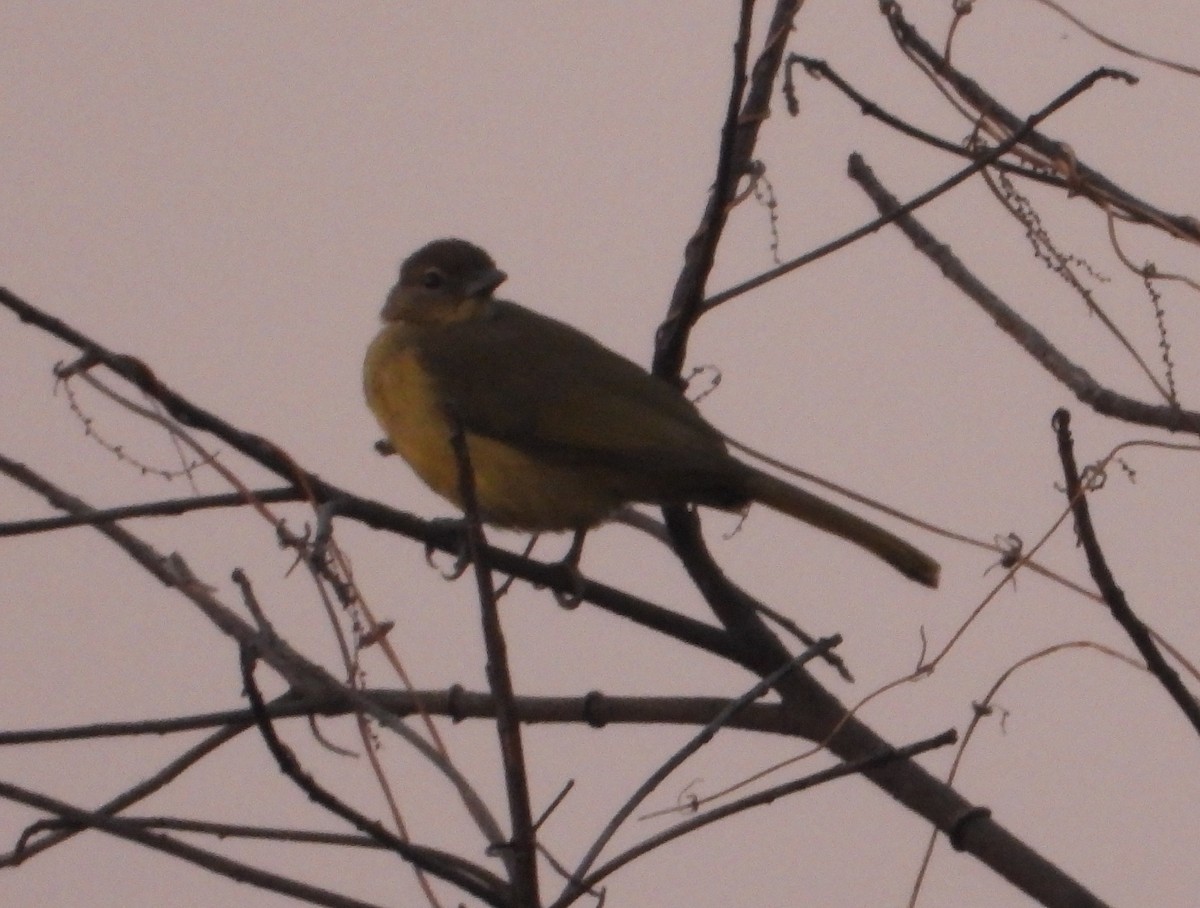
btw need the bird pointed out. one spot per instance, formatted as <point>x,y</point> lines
<point>562,432</point>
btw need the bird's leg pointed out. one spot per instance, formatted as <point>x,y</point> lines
<point>508,581</point>
<point>570,564</point>
<point>462,557</point>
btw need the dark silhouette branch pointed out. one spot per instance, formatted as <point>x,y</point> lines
<point>746,111</point>
<point>1114,596</point>
<point>820,69</point>
<point>595,709</point>
<point>243,831</point>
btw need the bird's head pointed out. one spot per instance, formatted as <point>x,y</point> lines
<point>443,281</point>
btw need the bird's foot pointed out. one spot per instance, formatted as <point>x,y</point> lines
<point>456,528</point>
<point>570,566</point>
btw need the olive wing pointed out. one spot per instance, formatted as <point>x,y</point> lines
<point>554,392</point>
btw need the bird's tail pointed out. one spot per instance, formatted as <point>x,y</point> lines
<point>796,502</point>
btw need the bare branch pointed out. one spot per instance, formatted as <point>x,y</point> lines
<point>1036,344</point>
<point>522,845</point>
<point>134,832</point>
<point>172,507</point>
<point>1114,596</point>
<point>1084,180</point>
<point>986,159</point>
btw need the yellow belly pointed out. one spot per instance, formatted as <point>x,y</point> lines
<point>513,489</point>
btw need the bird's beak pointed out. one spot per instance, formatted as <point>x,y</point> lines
<point>486,283</point>
<point>394,307</point>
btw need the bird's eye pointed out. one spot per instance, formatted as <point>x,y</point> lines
<point>432,279</point>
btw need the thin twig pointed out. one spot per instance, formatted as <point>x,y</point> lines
<point>842,770</point>
<point>138,792</point>
<point>983,708</point>
<point>217,863</point>
<point>522,845</point>
<point>701,738</point>
<point>243,831</point>
<point>1116,45</point>
<point>822,70</point>
<point>471,878</point>
<point>171,507</point>
<point>1083,179</point>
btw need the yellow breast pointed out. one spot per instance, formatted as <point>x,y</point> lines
<point>513,488</point>
<point>405,403</point>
